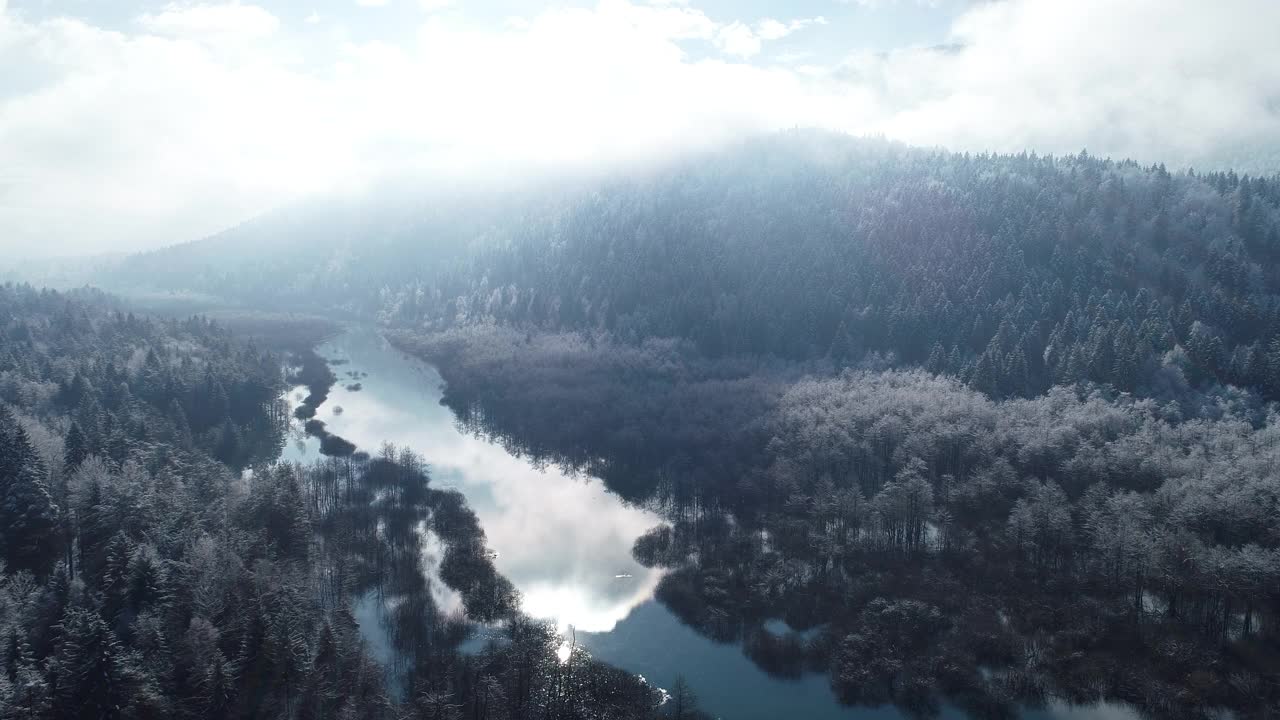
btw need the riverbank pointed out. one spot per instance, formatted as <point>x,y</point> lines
<point>561,537</point>
<point>924,540</point>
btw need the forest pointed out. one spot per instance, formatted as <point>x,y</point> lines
<point>640,360</point>
<point>946,546</point>
<point>1018,403</point>
<point>1012,272</point>
<point>988,431</point>
<point>158,562</point>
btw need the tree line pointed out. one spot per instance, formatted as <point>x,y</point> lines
<point>1011,272</point>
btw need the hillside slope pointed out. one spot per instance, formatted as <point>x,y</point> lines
<point>1012,272</point>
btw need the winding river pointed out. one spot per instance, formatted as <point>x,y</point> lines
<point>565,542</point>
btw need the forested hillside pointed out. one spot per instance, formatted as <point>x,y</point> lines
<point>932,544</point>
<point>335,256</point>
<point>1012,272</point>
<point>114,384</point>
<point>145,575</point>
<point>987,431</point>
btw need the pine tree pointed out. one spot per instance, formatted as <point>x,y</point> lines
<point>1018,377</point>
<point>218,691</point>
<point>59,592</point>
<point>87,668</point>
<point>117,445</point>
<point>89,416</point>
<point>115,577</point>
<point>323,680</point>
<point>77,447</point>
<point>97,525</point>
<point>1273,369</point>
<point>985,377</point>
<point>30,696</point>
<point>1125,363</point>
<point>229,443</point>
<point>842,349</point>
<point>955,362</point>
<point>29,521</point>
<point>937,363</point>
<point>181,428</point>
<point>146,579</point>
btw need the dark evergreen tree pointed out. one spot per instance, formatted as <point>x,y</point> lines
<point>77,447</point>
<point>87,669</point>
<point>29,522</point>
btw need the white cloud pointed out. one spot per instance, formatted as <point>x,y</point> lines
<point>743,41</point>
<point>171,130</point>
<point>210,20</point>
<point>878,4</point>
<point>1180,81</point>
<point>434,5</point>
<point>738,39</point>
<point>371,3</point>
<point>770,29</point>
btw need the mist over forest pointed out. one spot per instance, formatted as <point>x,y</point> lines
<point>640,360</point>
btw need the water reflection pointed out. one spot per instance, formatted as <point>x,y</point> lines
<point>447,600</point>
<point>375,611</point>
<point>564,541</point>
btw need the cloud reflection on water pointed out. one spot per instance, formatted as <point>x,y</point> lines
<point>563,540</point>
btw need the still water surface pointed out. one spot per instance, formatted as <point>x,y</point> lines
<point>565,542</point>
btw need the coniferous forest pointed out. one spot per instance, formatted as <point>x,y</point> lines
<point>159,564</point>
<point>1014,273</point>
<point>989,433</point>
<point>640,360</point>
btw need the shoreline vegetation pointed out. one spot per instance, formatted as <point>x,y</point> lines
<point>307,368</point>
<point>938,545</point>
<point>146,575</point>
<point>389,497</point>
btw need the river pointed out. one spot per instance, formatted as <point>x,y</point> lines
<point>565,542</point>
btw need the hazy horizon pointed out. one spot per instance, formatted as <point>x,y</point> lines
<point>136,125</point>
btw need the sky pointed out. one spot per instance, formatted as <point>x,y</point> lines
<point>128,124</point>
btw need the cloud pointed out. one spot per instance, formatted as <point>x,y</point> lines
<point>210,20</point>
<point>878,4</point>
<point>770,29</point>
<point>198,116</point>
<point>1181,81</point>
<point>743,41</point>
<point>738,39</point>
<point>131,140</point>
